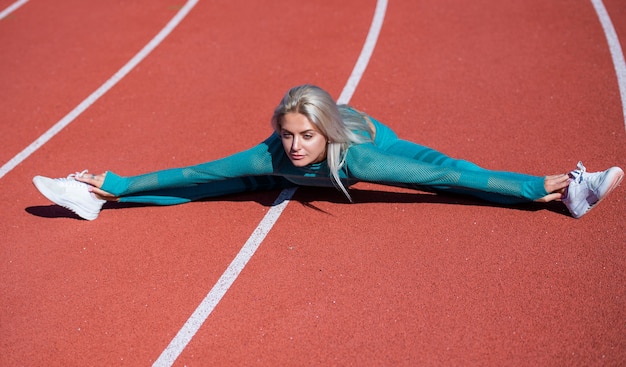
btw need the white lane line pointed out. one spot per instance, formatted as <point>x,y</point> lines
<point>208,304</point>
<point>616,51</point>
<point>91,99</point>
<point>366,53</point>
<point>13,7</point>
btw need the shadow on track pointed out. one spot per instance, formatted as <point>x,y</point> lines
<point>307,196</point>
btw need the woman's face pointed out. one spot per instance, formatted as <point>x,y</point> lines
<point>304,143</point>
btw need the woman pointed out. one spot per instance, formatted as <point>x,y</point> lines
<point>318,143</point>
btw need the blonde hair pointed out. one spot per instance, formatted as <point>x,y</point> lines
<point>340,124</point>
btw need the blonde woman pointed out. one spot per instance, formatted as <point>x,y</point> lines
<point>319,143</point>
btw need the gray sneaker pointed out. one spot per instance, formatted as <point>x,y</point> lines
<point>588,189</point>
<point>71,194</point>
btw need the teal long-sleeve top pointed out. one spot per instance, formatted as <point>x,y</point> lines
<point>387,160</point>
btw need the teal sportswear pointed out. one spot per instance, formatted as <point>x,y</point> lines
<point>387,160</point>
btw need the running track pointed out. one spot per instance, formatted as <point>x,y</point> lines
<point>400,277</point>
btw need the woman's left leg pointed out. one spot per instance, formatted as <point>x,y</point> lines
<point>480,188</point>
<point>181,195</point>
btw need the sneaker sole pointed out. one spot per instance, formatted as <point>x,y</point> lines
<point>80,211</point>
<point>614,177</point>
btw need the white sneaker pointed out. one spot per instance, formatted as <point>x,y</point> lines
<point>588,189</point>
<point>71,194</point>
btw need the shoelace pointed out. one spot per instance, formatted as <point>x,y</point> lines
<point>77,174</point>
<point>578,174</point>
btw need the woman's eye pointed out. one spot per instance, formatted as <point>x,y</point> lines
<point>308,136</point>
<point>286,135</point>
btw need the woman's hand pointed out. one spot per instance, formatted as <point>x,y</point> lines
<point>95,182</point>
<point>555,185</point>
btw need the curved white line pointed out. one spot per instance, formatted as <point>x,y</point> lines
<point>91,99</point>
<point>616,51</point>
<point>208,304</point>
<point>13,7</point>
<point>366,53</point>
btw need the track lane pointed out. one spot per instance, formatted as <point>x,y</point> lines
<point>47,69</point>
<point>208,304</point>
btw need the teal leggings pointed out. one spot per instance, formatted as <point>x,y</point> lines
<point>477,189</point>
<point>185,194</point>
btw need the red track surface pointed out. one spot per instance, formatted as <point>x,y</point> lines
<point>400,277</point>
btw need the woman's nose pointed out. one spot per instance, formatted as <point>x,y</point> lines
<point>295,144</point>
